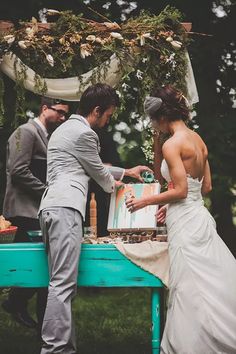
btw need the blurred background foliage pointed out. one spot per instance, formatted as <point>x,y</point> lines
<point>213,60</point>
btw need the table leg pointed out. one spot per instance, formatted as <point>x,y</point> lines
<point>155,321</point>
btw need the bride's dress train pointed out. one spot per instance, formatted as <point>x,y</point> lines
<point>201,316</point>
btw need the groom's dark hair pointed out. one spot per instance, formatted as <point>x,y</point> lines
<point>98,95</point>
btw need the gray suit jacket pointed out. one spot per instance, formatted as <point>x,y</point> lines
<point>73,157</point>
<point>26,171</point>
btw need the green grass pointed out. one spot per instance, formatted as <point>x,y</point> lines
<point>108,321</point>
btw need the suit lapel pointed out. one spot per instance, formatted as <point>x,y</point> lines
<point>84,121</point>
<point>40,132</point>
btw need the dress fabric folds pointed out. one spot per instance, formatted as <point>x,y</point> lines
<point>201,315</point>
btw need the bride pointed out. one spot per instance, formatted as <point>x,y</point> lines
<point>201,316</point>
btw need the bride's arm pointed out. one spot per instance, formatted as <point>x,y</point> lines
<point>206,184</point>
<point>171,153</point>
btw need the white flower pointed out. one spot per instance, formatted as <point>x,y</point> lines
<point>34,20</point>
<point>143,36</point>
<point>147,149</point>
<point>118,93</point>
<point>30,114</point>
<point>42,15</point>
<point>125,86</point>
<point>30,31</point>
<point>169,39</point>
<point>62,40</point>
<point>52,12</point>
<point>176,44</point>
<point>142,40</point>
<point>9,38</point>
<point>112,25</point>
<point>139,74</point>
<point>50,59</point>
<point>116,35</point>
<point>147,35</point>
<point>22,44</point>
<point>171,60</point>
<point>99,40</point>
<point>107,5</point>
<point>91,38</point>
<point>85,50</point>
<point>134,115</point>
<point>144,60</point>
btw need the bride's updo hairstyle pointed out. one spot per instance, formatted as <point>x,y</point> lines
<point>167,102</point>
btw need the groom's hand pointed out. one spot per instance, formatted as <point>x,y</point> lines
<point>119,184</point>
<point>136,171</point>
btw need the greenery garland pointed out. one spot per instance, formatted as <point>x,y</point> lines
<point>73,45</point>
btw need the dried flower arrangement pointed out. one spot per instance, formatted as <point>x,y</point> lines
<point>151,50</point>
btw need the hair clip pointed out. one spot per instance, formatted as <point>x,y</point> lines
<point>186,100</point>
<point>152,104</point>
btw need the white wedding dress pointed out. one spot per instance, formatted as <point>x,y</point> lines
<point>201,316</point>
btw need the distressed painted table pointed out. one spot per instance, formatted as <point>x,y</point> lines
<point>25,265</point>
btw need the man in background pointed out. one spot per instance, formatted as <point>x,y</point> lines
<point>26,168</point>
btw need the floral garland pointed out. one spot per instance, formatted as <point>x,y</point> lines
<point>74,45</point>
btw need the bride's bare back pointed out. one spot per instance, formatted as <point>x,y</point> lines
<point>193,153</point>
<point>190,156</point>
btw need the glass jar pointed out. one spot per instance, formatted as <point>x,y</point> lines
<point>147,176</point>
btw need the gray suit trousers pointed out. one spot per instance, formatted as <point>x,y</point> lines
<point>62,234</point>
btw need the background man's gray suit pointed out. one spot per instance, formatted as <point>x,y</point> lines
<point>26,171</point>
<point>26,182</point>
<point>73,157</point>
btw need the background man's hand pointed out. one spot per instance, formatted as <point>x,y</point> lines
<point>161,214</point>
<point>136,171</point>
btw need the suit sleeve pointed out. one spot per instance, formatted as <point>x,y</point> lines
<point>117,172</point>
<point>88,155</point>
<point>20,150</point>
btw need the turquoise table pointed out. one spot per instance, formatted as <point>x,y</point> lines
<point>100,266</point>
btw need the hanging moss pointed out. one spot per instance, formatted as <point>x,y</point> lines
<point>145,35</point>
<point>151,50</point>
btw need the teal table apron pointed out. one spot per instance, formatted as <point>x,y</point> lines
<point>100,266</point>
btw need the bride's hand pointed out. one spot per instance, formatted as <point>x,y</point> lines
<point>135,204</point>
<point>161,214</point>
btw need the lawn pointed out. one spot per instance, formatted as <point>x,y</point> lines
<point>108,321</point>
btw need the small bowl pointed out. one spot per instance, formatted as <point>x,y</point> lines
<point>35,236</point>
<point>8,235</point>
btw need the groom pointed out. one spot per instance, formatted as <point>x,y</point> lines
<point>73,157</point>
